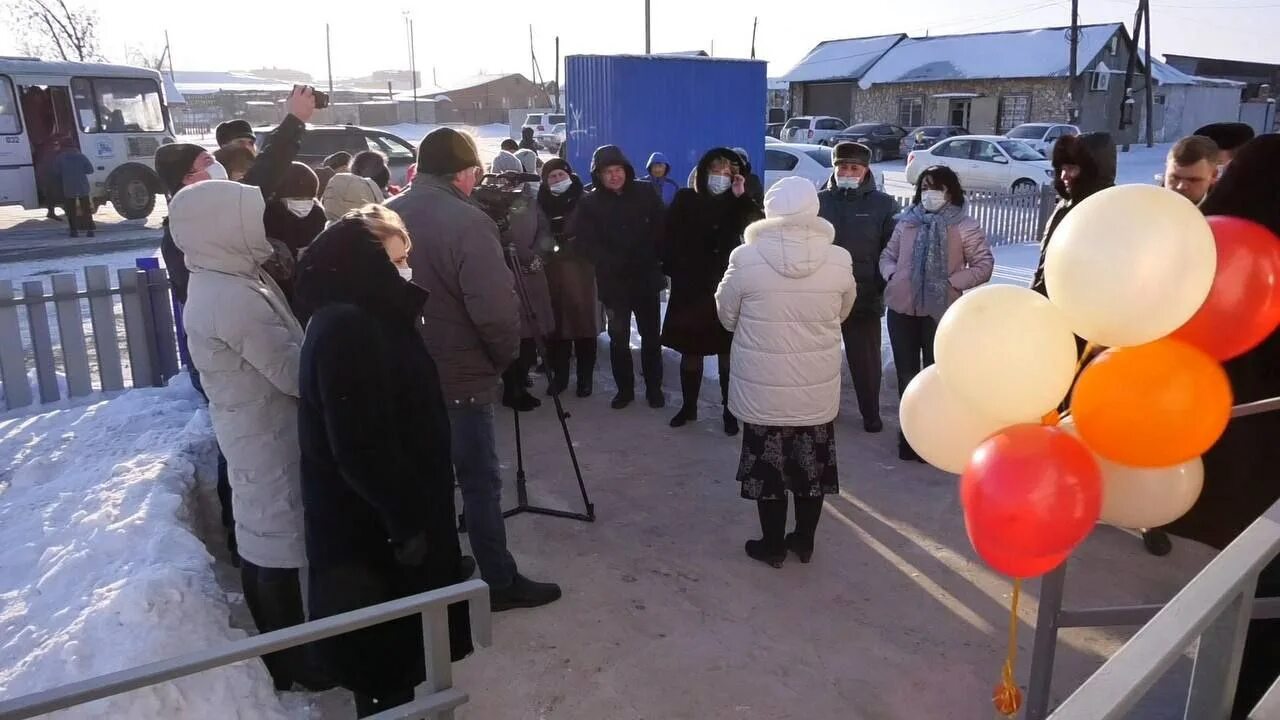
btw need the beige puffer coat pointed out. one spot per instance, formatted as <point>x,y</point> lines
<point>245,342</point>
<point>785,293</point>
<point>346,192</point>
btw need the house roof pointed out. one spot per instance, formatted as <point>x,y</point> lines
<point>841,59</point>
<point>203,83</point>
<point>1014,54</point>
<point>1166,74</point>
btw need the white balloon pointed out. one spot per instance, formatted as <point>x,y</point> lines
<point>1146,497</point>
<point>1007,351</point>
<point>1130,265</point>
<point>942,428</point>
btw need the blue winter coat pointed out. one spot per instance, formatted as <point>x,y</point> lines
<point>74,169</point>
<point>664,186</point>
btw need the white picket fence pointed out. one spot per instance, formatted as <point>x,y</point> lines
<point>1007,218</point>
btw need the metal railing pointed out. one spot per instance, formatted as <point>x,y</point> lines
<point>1216,607</point>
<point>438,703</point>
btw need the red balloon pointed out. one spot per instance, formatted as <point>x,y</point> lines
<point>1243,306</point>
<point>1015,565</point>
<point>1030,492</point>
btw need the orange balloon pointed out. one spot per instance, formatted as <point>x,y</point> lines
<point>1152,405</point>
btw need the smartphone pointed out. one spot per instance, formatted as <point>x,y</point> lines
<point>322,98</point>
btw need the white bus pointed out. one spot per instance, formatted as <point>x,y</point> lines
<point>115,114</point>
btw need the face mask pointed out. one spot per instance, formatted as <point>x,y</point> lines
<point>216,171</point>
<point>847,183</point>
<point>406,273</point>
<point>300,208</point>
<point>561,187</point>
<point>717,184</point>
<point>933,200</point>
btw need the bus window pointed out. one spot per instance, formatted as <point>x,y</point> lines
<point>118,105</point>
<point>9,124</point>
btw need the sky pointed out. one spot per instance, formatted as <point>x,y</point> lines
<point>462,38</point>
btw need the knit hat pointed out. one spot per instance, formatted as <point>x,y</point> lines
<point>340,159</point>
<point>528,160</point>
<point>554,164</point>
<point>791,196</point>
<point>1228,135</point>
<point>510,145</point>
<point>173,162</point>
<point>505,162</point>
<point>851,152</point>
<point>233,130</point>
<point>299,181</point>
<point>445,151</point>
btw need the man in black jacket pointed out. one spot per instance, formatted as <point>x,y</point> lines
<point>863,217</point>
<point>619,226</point>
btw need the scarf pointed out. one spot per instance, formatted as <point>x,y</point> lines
<point>930,281</point>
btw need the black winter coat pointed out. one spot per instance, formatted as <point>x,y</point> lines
<point>268,169</point>
<point>376,464</point>
<point>864,219</point>
<point>701,231</point>
<point>1095,154</point>
<point>620,232</point>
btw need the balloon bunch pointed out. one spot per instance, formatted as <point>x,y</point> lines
<point>1135,269</point>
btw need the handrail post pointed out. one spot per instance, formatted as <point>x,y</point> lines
<point>1218,657</point>
<point>1045,646</point>
<point>435,638</point>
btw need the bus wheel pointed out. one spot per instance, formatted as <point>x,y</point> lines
<point>131,195</point>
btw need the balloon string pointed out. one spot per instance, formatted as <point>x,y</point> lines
<point>1008,697</point>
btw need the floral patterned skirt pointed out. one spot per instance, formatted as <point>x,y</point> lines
<point>778,459</point>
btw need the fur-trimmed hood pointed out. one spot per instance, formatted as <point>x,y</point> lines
<point>795,246</point>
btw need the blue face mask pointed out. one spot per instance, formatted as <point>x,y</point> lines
<point>717,184</point>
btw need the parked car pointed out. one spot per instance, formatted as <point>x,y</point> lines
<point>992,163</point>
<point>885,140</point>
<point>552,139</point>
<point>321,141</point>
<point>816,130</point>
<point>542,122</point>
<point>926,136</point>
<point>1042,136</point>
<point>771,140</point>
<point>774,130</point>
<point>812,162</point>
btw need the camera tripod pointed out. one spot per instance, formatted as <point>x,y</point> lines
<point>529,316</point>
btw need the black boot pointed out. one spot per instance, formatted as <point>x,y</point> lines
<point>274,597</point>
<point>730,422</point>
<point>906,453</point>
<point>800,542</point>
<point>1157,542</point>
<point>585,352</point>
<point>523,593</point>
<point>690,384</point>
<point>771,549</point>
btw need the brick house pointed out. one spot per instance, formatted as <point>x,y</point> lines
<point>988,82</point>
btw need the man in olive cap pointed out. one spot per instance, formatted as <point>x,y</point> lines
<point>235,132</point>
<point>472,328</point>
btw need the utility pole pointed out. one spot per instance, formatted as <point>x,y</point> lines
<point>328,56</point>
<point>1075,50</point>
<point>557,97</point>
<point>754,24</point>
<point>168,51</point>
<point>533,59</point>
<point>1127,100</point>
<point>413,66</point>
<point>1146,13</point>
<point>648,47</point>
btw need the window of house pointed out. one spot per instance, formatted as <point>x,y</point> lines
<point>114,105</point>
<point>1114,46</point>
<point>1100,81</point>
<point>911,111</point>
<point>1014,111</point>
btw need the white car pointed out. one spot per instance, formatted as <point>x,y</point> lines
<point>552,139</point>
<point>816,130</point>
<point>1042,136</point>
<point>771,140</point>
<point>542,122</point>
<point>991,163</point>
<point>811,162</point>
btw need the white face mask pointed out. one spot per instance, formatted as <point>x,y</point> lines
<point>933,200</point>
<point>216,171</point>
<point>561,187</point>
<point>300,208</point>
<point>405,272</point>
<point>717,184</point>
<point>847,183</point>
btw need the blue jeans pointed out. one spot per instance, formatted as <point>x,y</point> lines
<point>475,462</point>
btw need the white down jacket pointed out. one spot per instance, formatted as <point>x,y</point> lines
<point>784,296</point>
<point>245,342</point>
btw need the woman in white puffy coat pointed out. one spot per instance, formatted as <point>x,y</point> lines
<point>784,296</point>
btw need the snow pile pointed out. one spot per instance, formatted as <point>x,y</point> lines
<point>100,569</point>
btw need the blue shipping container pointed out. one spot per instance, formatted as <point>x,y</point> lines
<point>679,106</point>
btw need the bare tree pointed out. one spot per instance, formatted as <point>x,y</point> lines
<point>51,27</point>
<point>144,57</point>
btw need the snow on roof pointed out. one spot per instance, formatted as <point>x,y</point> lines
<point>1166,74</point>
<point>841,59</point>
<point>204,83</point>
<point>475,81</point>
<point>171,94</point>
<point>1017,54</point>
<point>778,84</point>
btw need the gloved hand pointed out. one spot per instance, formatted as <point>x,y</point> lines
<point>411,552</point>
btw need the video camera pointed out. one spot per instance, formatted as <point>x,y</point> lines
<point>497,195</point>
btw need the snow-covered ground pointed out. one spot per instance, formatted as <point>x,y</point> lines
<point>100,565</point>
